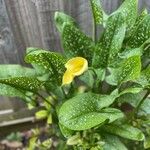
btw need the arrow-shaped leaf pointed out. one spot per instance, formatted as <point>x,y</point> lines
<point>51,62</point>
<point>126,131</point>
<point>23,83</point>
<point>128,9</point>
<point>85,111</point>
<point>111,42</point>
<point>7,90</point>
<point>97,11</point>
<point>130,70</point>
<point>76,43</point>
<point>141,35</point>
<point>7,71</point>
<point>60,18</point>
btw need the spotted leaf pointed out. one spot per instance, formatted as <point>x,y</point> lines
<point>7,71</point>
<point>65,131</point>
<point>85,111</point>
<point>111,42</point>
<point>7,90</point>
<point>113,143</point>
<point>138,21</point>
<point>76,43</point>
<point>144,79</point>
<point>128,9</point>
<point>141,35</point>
<point>23,83</point>
<point>61,18</point>
<point>125,131</point>
<point>97,11</point>
<point>130,70</point>
<point>51,62</point>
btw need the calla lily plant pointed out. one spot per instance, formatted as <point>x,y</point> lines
<point>94,96</point>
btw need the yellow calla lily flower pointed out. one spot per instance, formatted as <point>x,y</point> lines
<point>75,67</point>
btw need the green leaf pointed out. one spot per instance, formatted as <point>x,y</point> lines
<point>74,140</point>
<point>41,114</point>
<point>144,109</point>
<point>97,11</point>
<point>125,131</point>
<point>32,143</point>
<point>23,83</point>
<point>85,111</point>
<point>147,143</point>
<point>112,114</point>
<point>49,119</point>
<point>93,76</point>
<point>133,90</point>
<point>100,73</point>
<point>138,21</point>
<point>111,42</point>
<point>7,90</point>
<point>100,76</point>
<point>65,131</point>
<point>113,143</point>
<point>76,43</point>
<point>131,52</point>
<point>144,79</point>
<point>141,35</point>
<point>130,70</point>
<point>88,78</point>
<point>112,78</point>
<point>51,62</point>
<point>47,144</point>
<point>132,99</point>
<point>128,9</point>
<point>60,18</point>
<point>7,71</point>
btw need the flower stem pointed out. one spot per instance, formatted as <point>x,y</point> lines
<point>63,91</point>
<point>45,100</point>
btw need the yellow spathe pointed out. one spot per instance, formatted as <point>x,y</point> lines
<point>75,67</point>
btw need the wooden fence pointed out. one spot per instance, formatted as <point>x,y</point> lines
<point>25,23</point>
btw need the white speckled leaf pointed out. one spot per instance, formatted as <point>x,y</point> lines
<point>131,52</point>
<point>112,114</point>
<point>76,43</point>
<point>23,83</point>
<point>65,131</point>
<point>51,62</point>
<point>130,70</point>
<point>85,111</point>
<point>97,11</point>
<point>7,71</point>
<point>60,18</point>
<point>129,11</point>
<point>111,42</point>
<point>138,21</point>
<point>133,90</point>
<point>144,79</point>
<point>142,33</point>
<point>113,143</point>
<point>6,90</point>
<point>112,79</point>
<point>125,131</point>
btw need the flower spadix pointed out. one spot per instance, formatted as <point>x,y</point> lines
<point>75,67</point>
